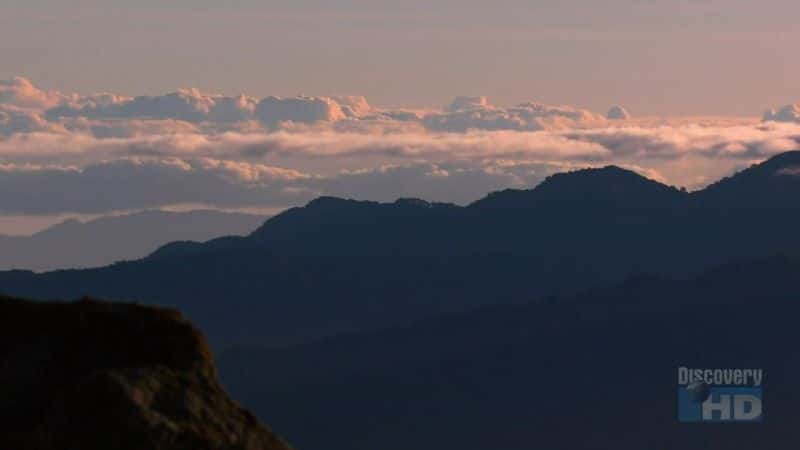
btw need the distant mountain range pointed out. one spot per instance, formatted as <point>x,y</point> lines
<point>594,371</point>
<point>103,241</point>
<point>341,266</point>
<point>554,317</point>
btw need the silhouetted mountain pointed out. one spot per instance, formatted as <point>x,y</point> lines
<point>94,375</point>
<point>608,187</point>
<point>327,223</point>
<point>775,183</point>
<point>338,266</point>
<point>73,244</point>
<point>592,371</point>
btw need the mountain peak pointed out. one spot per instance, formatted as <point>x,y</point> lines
<point>604,186</point>
<point>353,222</point>
<point>785,158</point>
<point>775,181</point>
<point>607,185</point>
<point>327,201</point>
<point>64,226</point>
<point>611,176</point>
<point>413,203</point>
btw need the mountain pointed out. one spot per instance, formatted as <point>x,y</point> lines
<point>597,370</point>
<point>607,187</point>
<point>97,375</point>
<point>762,186</point>
<point>341,266</point>
<point>74,244</point>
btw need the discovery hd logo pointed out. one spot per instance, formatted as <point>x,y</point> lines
<point>720,395</point>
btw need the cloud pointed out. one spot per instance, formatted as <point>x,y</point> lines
<point>18,120</point>
<point>353,106</point>
<point>130,128</point>
<point>789,113</point>
<point>20,92</point>
<point>618,113</point>
<point>181,139</point>
<point>188,105</point>
<point>475,113</point>
<point>273,110</point>
<point>322,148</point>
<point>460,183</point>
<point>150,183</point>
<point>47,173</point>
<point>196,107</point>
<point>137,184</point>
<point>105,152</point>
<point>191,105</point>
<point>468,103</point>
<point>665,142</point>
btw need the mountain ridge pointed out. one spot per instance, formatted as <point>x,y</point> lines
<point>339,266</point>
<point>607,184</point>
<point>105,240</point>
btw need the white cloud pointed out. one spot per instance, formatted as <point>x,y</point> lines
<point>175,138</point>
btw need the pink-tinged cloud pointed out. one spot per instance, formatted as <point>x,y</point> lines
<point>20,92</point>
<point>238,151</point>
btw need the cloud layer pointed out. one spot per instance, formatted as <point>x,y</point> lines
<point>194,106</point>
<point>63,153</point>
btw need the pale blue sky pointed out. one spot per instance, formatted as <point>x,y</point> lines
<point>674,57</point>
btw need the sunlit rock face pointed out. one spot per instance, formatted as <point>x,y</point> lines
<point>96,375</point>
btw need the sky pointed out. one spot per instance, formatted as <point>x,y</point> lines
<point>657,57</point>
<point>116,106</point>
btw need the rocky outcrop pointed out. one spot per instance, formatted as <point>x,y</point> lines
<point>97,375</point>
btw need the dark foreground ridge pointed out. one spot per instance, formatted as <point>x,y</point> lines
<point>96,375</point>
